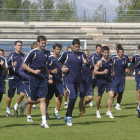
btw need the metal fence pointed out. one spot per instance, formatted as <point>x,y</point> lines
<point>49,15</point>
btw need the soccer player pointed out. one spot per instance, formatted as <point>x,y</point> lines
<point>104,71</point>
<point>69,48</point>
<point>136,62</point>
<point>38,76</point>
<point>85,86</point>
<point>120,67</point>
<point>57,86</point>
<point>124,55</point>
<point>14,61</point>
<point>94,58</point>
<point>3,73</point>
<point>71,63</point>
<point>25,84</point>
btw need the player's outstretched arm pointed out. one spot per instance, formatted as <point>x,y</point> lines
<point>26,67</point>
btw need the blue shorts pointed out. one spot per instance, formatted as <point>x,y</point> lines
<point>137,80</point>
<point>38,88</point>
<point>54,88</point>
<point>102,86</point>
<point>85,91</point>
<point>94,82</point>
<point>72,89</point>
<point>2,86</point>
<point>119,85</point>
<point>26,89</point>
<point>13,84</point>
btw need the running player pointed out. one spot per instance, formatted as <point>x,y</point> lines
<point>104,71</point>
<point>120,67</point>
<point>3,73</point>
<point>57,86</point>
<point>69,48</point>
<point>128,62</point>
<point>38,76</point>
<point>14,61</point>
<point>94,58</point>
<point>85,86</point>
<point>73,61</point>
<point>136,62</point>
<point>25,84</point>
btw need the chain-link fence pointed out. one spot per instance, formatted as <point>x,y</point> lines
<point>49,15</point>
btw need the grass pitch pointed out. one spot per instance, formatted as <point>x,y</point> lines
<point>125,125</point>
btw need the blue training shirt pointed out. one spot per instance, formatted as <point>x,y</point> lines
<point>124,55</point>
<point>105,78</point>
<point>119,67</point>
<point>52,64</point>
<point>73,62</point>
<point>24,73</point>
<point>38,60</point>
<point>94,58</point>
<point>14,71</point>
<point>2,75</point>
<point>86,76</point>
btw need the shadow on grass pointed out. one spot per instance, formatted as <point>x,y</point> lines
<point>12,125</point>
<point>129,108</point>
<point>123,116</point>
<point>93,122</point>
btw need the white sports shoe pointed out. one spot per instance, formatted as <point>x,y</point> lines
<point>69,121</point>
<point>98,114</point>
<point>108,113</point>
<point>29,120</point>
<point>91,103</point>
<point>118,107</point>
<point>45,125</point>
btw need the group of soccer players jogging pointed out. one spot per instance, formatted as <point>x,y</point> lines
<point>40,75</point>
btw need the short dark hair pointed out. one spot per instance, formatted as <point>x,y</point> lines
<point>120,49</point>
<point>98,45</point>
<point>86,50</point>
<point>1,50</point>
<point>139,47</point>
<point>18,41</point>
<point>41,37</point>
<point>69,47</point>
<point>57,45</point>
<point>34,45</point>
<point>118,46</point>
<point>76,41</point>
<point>105,48</point>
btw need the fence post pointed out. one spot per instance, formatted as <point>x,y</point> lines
<point>84,15</point>
<point>105,15</point>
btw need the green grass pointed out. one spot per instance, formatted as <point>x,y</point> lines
<point>125,125</point>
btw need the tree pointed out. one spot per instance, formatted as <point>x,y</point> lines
<point>2,3</point>
<point>123,11</point>
<point>99,14</point>
<point>65,10</point>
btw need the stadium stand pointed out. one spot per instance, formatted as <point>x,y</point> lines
<point>128,34</point>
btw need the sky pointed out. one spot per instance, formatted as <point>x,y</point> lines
<point>93,4</point>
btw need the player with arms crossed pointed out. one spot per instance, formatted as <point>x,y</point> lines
<point>73,61</point>
<point>104,71</point>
